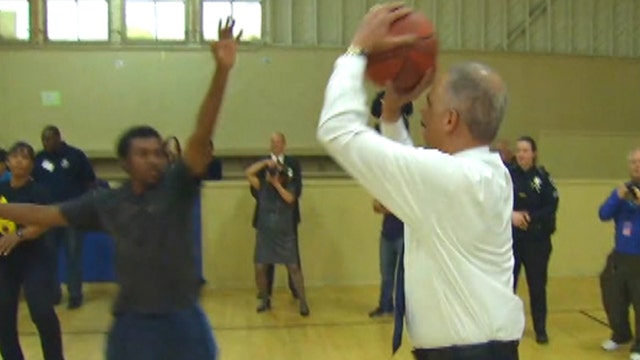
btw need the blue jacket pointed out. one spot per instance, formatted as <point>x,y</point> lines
<point>626,217</point>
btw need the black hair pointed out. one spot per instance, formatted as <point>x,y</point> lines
<point>3,155</point>
<point>376,107</point>
<point>22,146</point>
<point>51,128</point>
<point>136,132</point>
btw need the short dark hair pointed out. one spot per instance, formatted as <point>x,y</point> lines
<point>136,132</point>
<point>51,128</point>
<point>3,155</point>
<point>376,107</point>
<point>22,146</point>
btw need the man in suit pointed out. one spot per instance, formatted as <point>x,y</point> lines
<point>278,145</point>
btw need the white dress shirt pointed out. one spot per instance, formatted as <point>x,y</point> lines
<point>457,213</point>
<point>277,158</point>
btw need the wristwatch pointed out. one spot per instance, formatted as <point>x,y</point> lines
<point>20,234</point>
<point>353,50</point>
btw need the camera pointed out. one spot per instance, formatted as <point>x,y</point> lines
<point>631,186</point>
<point>273,171</point>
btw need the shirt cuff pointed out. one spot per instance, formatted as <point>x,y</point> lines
<point>354,66</point>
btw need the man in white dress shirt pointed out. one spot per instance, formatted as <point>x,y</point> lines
<point>455,199</point>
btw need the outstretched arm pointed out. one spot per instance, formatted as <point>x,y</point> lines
<point>197,154</point>
<point>45,216</point>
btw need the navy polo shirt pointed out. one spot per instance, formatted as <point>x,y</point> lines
<point>66,173</point>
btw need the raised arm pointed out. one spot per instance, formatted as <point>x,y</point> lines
<point>252,172</point>
<point>197,152</point>
<point>610,208</point>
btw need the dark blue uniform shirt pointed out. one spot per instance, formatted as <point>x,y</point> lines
<point>66,173</point>
<point>535,193</point>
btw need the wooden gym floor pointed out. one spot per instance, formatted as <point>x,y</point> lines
<point>338,327</point>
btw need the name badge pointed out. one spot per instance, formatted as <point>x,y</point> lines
<point>48,165</point>
<point>626,228</point>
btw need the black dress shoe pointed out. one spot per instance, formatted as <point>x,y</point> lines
<point>74,303</point>
<point>542,338</point>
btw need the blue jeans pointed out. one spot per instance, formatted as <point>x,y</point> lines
<point>72,240</point>
<point>182,335</point>
<point>389,254</point>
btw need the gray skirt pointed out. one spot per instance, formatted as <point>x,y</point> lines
<point>275,247</point>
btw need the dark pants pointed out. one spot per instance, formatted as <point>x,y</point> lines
<point>28,268</point>
<point>620,288</point>
<point>72,240</point>
<point>271,273</point>
<point>534,255</point>
<point>182,335</point>
<point>389,253</point>
<point>496,350</point>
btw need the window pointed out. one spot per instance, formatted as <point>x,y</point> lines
<point>247,13</point>
<point>14,20</point>
<point>77,20</point>
<point>155,19</point>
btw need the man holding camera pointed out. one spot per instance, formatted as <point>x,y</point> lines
<point>620,279</point>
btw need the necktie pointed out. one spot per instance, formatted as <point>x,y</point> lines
<point>400,303</point>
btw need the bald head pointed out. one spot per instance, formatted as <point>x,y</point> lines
<point>480,96</point>
<point>278,143</point>
<point>634,164</point>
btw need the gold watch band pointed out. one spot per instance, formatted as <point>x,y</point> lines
<point>355,51</point>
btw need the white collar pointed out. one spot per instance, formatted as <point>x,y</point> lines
<point>474,151</point>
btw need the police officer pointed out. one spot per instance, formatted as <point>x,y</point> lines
<point>534,211</point>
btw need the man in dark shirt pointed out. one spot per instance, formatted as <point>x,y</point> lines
<point>67,174</point>
<point>157,315</point>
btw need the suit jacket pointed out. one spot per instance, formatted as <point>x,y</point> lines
<point>294,164</point>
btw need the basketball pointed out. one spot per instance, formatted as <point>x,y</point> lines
<point>406,65</point>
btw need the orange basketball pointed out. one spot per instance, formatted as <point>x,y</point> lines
<point>406,65</point>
